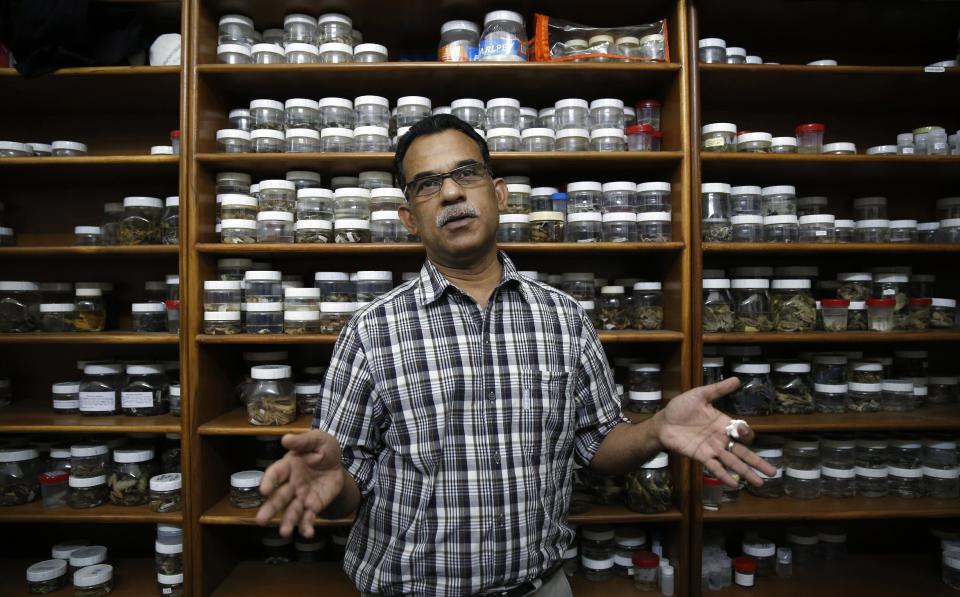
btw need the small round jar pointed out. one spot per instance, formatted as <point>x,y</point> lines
<point>736,55</point>
<point>518,199</point>
<point>267,53</point>
<point>579,140</point>
<point>238,231</point>
<point>313,231</point>
<point>830,369</point>
<point>756,393</point>
<point>68,148</point>
<point>811,206</point>
<point>87,236</point>
<point>274,227</point>
<point>830,398</point>
<point>653,197</point>
<point>835,314</point>
<point>584,197</point>
<point>871,481</point>
<point>584,227</point>
<point>221,296</point>
<point>352,230</point>
<point>411,109</point>
<point>840,148</point>
<point>712,50</point>
<point>810,137</point>
<point>337,140</point>
<point>818,228</point>
<point>333,316</point>
<point>645,388</point>
<point>873,231</point>
<point>66,398</point>
<point>514,228</point>
<point>302,140</point>
<point>870,208</point>
<point>335,53</point>
<point>772,486</point>
<point>351,203</point>
<point>546,226</point>
<point>606,113</point>
<point>607,140</point>
<point>754,142</point>
<point>371,284</point>
<point>949,231</point>
<point>719,137</point>
<point>792,305</point>
<point>897,395</point>
<point>12,149</point>
<point>752,305</point>
<point>654,227</point>
<point>918,314</point>
<point>528,118</point>
<point>267,141</point>
<point>267,114</point>
<point>471,111</point>
<point>81,555</point>
<point>371,139</point>
<point>140,223</point>
<point>19,468</point>
<point>547,118</point>
<point>336,112</point>
<point>308,397</point>
<point>149,317</point>
<point>845,231</point>
<point>57,317</point>
<point>854,286</point>
<point>302,53</point>
<point>372,110</point>
<point>93,581</point>
<point>301,113</point>
<point>572,113</point>
<point>783,145</point>
<point>88,492</point>
<point>905,481</point>
<point>47,576</point>
<point>763,552</point>
<point>245,489</point>
<point>641,137</point>
<point>715,212</point>
<point>880,314</point>
<point>263,318</point>
<point>647,306</point>
<point>802,461</point>
<point>502,113</point>
<point>503,139</point>
<point>619,227</point>
<point>270,395</point>
<point>612,310</point>
<point>315,204</point>
<point>903,231</point>
<point>386,227</point>
<point>334,28</point>
<point>301,322</point>
<point>370,53</point>
<point>943,390</point>
<point>222,323</point>
<point>747,228</point>
<point>537,139</point>
<point>780,200</point>
<point>794,389</point>
<point>803,543</point>
<point>745,200</point>
<point>233,182</point>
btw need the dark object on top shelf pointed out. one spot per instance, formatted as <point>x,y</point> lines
<point>45,35</point>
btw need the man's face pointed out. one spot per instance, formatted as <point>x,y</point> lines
<point>456,223</point>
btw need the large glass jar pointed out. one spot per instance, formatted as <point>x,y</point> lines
<point>90,311</point>
<point>145,391</point>
<point>793,387</point>
<point>718,307</point>
<point>99,389</point>
<point>715,212</point>
<point>719,137</point>
<point>271,397</point>
<point>645,389</point>
<point>647,306</point>
<point>612,310</point>
<point>772,486</point>
<point>88,460</point>
<point>129,477</point>
<point>752,305</point>
<point>649,490</point>
<point>756,393</point>
<point>802,458</point>
<point>19,468</point>
<point>792,306</point>
<point>140,223</point>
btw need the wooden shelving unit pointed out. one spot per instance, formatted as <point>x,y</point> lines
<point>775,98</point>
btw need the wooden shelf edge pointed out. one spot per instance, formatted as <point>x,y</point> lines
<point>90,338</point>
<point>107,513</point>
<point>96,71</point>
<point>826,508</point>
<point>931,417</point>
<point>618,337</point>
<point>820,158</point>
<point>844,69</point>
<point>75,251</point>
<point>469,67</point>
<point>495,157</point>
<point>93,160</point>
<point>35,416</point>
<point>417,248</point>
<point>841,337</point>
<point>234,423</point>
<point>830,248</point>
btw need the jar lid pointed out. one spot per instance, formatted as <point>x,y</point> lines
<point>645,187</point>
<point>719,127</point>
<point>746,219</point>
<point>661,460</point>
<point>514,218</point>
<point>72,145</point>
<point>834,303</point>
<point>301,315</point>
<point>598,533</point>
<point>90,576</point>
<point>231,224</point>
<point>896,385</point>
<point>790,284</point>
<point>715,187</point>
<point>854,277</point>
<point>606,102</point>
<point>781,141</point>
<point>309,293</point>
<point>620,216</point>
<point>645,559</point>
<point>945,302</point>
<point>779,220</point>
<point>283,216</point>
<point>768,452</point>
<point>785,189</point>
<point>314,193</point>
<point>88,450</point>
<point>66,387</point>
<point>750,283</point>
<point>132,455</point>
<point>712,482</point>
<point>882,150</point>
<point>712,362</point>
<point>333,47</point>
<point>168,548</point>
<point>647,286</point>
<point>169,579</point>
<point>18,454</point>
<point>308,388</point>
<point>46,570</point>
<point>236,20</point>
<point>336,132</point>
<point>142,202</point>
<point>759,550</point>
<point>863,387</point>
<point>270,372</point>
<point>844,224</point>
<point>752,368</point>
<point>503,102</point>
<point>459,26</point>
<point>350,223</point>
<point>791,367</point>
<point>817,219</point>
<point>571,102</point>
<point>165,482</point>
<point>384,215</point>
<point>336,102</point>
<point>293,133</point>
<point>259,275</point>
<point>246,479</point>
<point>57,307</point>
<point>414,100</point>
<point>221,285</point>
<point>841,146</point>
<point>267,48</point>
<point>351,191</point>
<point>374,276</point>
<point>802,536</point>
<point>716,284</point>
<point>920,302</point>
<point>564,133</point>
<point>711,42</point>
<point>890,278</point>
<point>147,308</point>
<point>584,217</point>
<point>612,290</point>
<point>635,130</point>
<point>503,132</point>
<point>903,223</point>
<point>750,137</point>
<point>338,307</point>
<point>371,100</point>
<point>825,388</point>
<point>331,276</point>
<point>881,302</point>
<point>87,481</point>
<point>552,216</point>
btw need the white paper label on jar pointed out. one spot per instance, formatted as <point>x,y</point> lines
<point>743,580</point>
<point>820,233</point>
<point>98,401</point>
<point>907,151</point>
<point>66,404</point>
<point>715,142</point>
<point>837,473</point>
<point>645,396</point>
<point>136,399</point>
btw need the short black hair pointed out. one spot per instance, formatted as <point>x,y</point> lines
<point>431,125</point>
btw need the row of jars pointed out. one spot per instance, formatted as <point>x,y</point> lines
<point>553,227</point>
<point>106,389</point>
<point>88,313</point>
<point>300,41</point>
<point>872,466</point>
<point>136,221</point>
<point>775,214</point>
<point>15,149</point>
<point>600,552</point>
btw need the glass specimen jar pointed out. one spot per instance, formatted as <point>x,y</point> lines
<point>145,391</point>
<point>573,140</point>
<point>584,196</point>
<point>918,313</point>
<point>99,389</point>
<point>518,199</point>
<point>313,231</point>
<point>949,231</point>
<point>140,223</point>
<point>335,315</point>
<point>644,570</point>
<point>640,137</point>
<point>754,142</point>
<point>834,313</point>
<point>715,212</point>
<point>372,110</point>
<point>903,231</point>
<point>752,305</point>
<point>647,306</point>
<point>719,137</point>
<point>263,318</point>
<point>66,397</point>
<point>267,141</point>
<point>275,227</point>
<point>302,140</point>
<point>645,388</point>
<point>612,310</point>
<point>20,306</point>
<point>943,390</point>
<point>818,228</point>
<point>811,206</point>
<point>514,228</point>
<point>67,148</point>
<point>653,197</point>
<point>502,112</point>
<point>830,398</point>
<point>897,395</point>
<point>854,286</point>
<point>802,460</point>
<point>718,306</point>
<point>747,228</point>
<point>840,148</point>
<point>337,140</point>
<point>87,236</point>
<point>90,313</point>
<point>546,226</point>
<point>880,314</point>
<point>873,231</point>
<point>235,28</point>
<point>537,139</point>
<point>810,137</point>
<point>270,396</point>
<point>371,139</point>
<point>47,576</point>
<point>745,200</point>
<point>335,53</point>
<point>712,50</point>
<point>792,305</point>
<point>57,317</point>
<point>763,553</point>
<point>783,145</point>
<point>149,317</point>
<point>222,323</point>
<point>245,489</point>
<point>267,53</point>
<point>654,227</point>
<point>607,140</point>
<point>619,227</point>
<point>315,204</point>
<point>649,489</point>
<point>412,109</point>
<point>19,468</point>
<point>779,200</point>
<point>606,113</point>
<point>93,581</point>
<point>584,227</point>
<point>572,113</point>
<point>756,393</point>
<point>129,477</point>
<point>844,230</point>
<point>793,388</point>
<point>369,53</point>
<point>238,231</point>
<point>87,492</point>
<point>870,208</point>
<point>471,111</point>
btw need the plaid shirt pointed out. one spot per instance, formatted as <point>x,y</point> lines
<point>459,425</point>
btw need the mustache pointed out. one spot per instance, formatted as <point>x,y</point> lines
<point>456,211</point>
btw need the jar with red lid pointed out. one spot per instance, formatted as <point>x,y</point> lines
<point>834,314</point>
<point>744,569</point>
<point>53,488</point>
<point>712,493</point>
<point>645,565</point>
<point>648,112</point>
<point>640,137</point>
<point>880,314</point>
<point>918,313</point>
<point>810,137</point>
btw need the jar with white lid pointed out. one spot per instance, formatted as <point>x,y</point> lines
<point>334,287</point>
<point>267,114</point>
<point>66,398</point>
<point>335,28</point>
<point>19,468</point>
<point>841,148</point>
<point>503,139</point>
<point>93,581</point>
<point>90,311</point>
<point>270,395</point>
<point>719,137</point>
<point>752,305</point>
<point>607,140</point>
<point>57,317</point>
<point>47,576</point>
<point>372,284</point>
<point>299,28</point>
<point>897,395</point>
<point>653,197</point>
<point>781,229</point>
<point>537,139</point>
<point>471,111</point>
<point>572,113</point>
<point>267,53</point>
<point>233,182</point>
<point>584,197</point>
<point>606,113</point>
<point>7,237</point>
<point>747,228</point>
<point>263,318</point>
<point>337,140</point>
<point>336,53</point>
<point>336,113</point>
<point>712,50</point>
<point>234,206</point>
<point>334,316</point>
<point>238,231</point>
<point>873,231</point>
<point>718,306</point>
<point>654,227</point>
<point>301,322</point>
<point>514,228</point>
<point>802,467</point>
<point>301,53</point>
<point>546,226</point>
<point>370,53</point>
<point>351,203</point>
<point>352,230</point>
<point>794,388</point>
<point>372,110</point>
<point>528,118</point>
<point>745,200</point>
<point>371,139</point>
<point>140,224</point>
<point>603,47</point>
<point>541,199</point>
<point>646,306</point>
<point>579,140</point>
<point>645,388</point>
<point>267,141</point>
<point>87,492</point>
<point>245,489</point>
<point>754,142</point>
<point>949,231</point>
<point>547,118</point>
<point>780,200</point>
<point>221,323</point>
<point>504,38</point>
<point>87,236</point>
<point>234,54</point>
<point>302,140</point>
<point>584,227</point>
<point>903,231</point>
<point>274,227</point>
<point>88,460</point>
<point>502,112</point>
<point>315,204</point>
<point>756,393</point>
<point>792,305</point>
<point>412,109</point>
<point>831,398</point>
<point>943,313</point>
<point>715,212</point>
<point>129,477</point>
<point>235,28</point>
<point>817,228</point>
<point>100,388</point>
<point>308,396</point>
<point>649,490</point>
<point>12,149</point>
<point>313,231</point>
<point>149,317</point>
<point>619,227</point>
<point>518,199</point>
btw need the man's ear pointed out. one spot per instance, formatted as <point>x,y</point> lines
<point>500,189</point>
<point>408,219</point>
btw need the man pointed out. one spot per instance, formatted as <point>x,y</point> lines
<point>454,404</point>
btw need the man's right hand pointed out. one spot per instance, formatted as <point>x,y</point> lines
<point>305,482</point>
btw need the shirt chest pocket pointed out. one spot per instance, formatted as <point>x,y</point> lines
<point>546,412</point>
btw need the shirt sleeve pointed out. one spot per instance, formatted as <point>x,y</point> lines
<point>347,409</point>
<point>598,406</point>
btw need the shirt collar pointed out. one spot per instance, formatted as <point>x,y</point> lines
<point>432,284</point>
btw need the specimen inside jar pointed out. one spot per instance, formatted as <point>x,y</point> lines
<point>919,317</point>
<point>718,317</point>
<point>546,231</point>
<point>753,399</point>
<point>793,312</point>
<point>856,320</point>
<point>649,491</point>
<point>854,290</point>
<point>717,231</point>
<point>332,323</point>
<point>138,233</point>
<point>169,563</point>
<point>129,485</point>
<point>237,236</point>
<point>88,497</point>
<point>942,318</point>
<point>606,489</point>
<point>792,399</point>
<point>648,317</point>
<point>58,321</point>
<point>352,236</point>
<point>271,410</point>
<point>313,236</point>
<point>89,321</point>
<point>15,491</point>
<point>613,318</point>
<point>168,501</point>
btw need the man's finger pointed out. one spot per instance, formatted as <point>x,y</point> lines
<point>718,471</point>
<point>291,517</point>
<point>738,466</point>
<point>306,524</point>
<point>276,503</point>
<point>751,458</point>
<point>304,442</point>
<point>719,389</point>
<point>275,476</point>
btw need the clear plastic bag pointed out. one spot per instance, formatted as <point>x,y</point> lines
<point>557,40</point>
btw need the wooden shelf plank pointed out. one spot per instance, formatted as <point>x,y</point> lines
<point>940,416</point>
<point>838,337</point>
<point>106,514</point>
<point>257,579</point>
<point>36,416</point>
<point>844,70</point>
<point>224,513</point>
<point>73,251</point>
<point>821,158</point>
<point>133,577</point>
<point>830,248</point>
<point>877,575</point>
<point>601,514</point>
<point>234,422</point>
<point>98,71</point>
<point>462,69</point>
<point>823,170</point>
<point>618,337</point>
<point>827,508</point>
<point>91,160</point>
<point>91,338</point>
<point>417,248</point>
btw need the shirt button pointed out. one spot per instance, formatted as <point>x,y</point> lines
<point>496,458</point>
<point>491,395</point>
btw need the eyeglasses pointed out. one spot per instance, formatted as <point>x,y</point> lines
<point>466,176</point>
